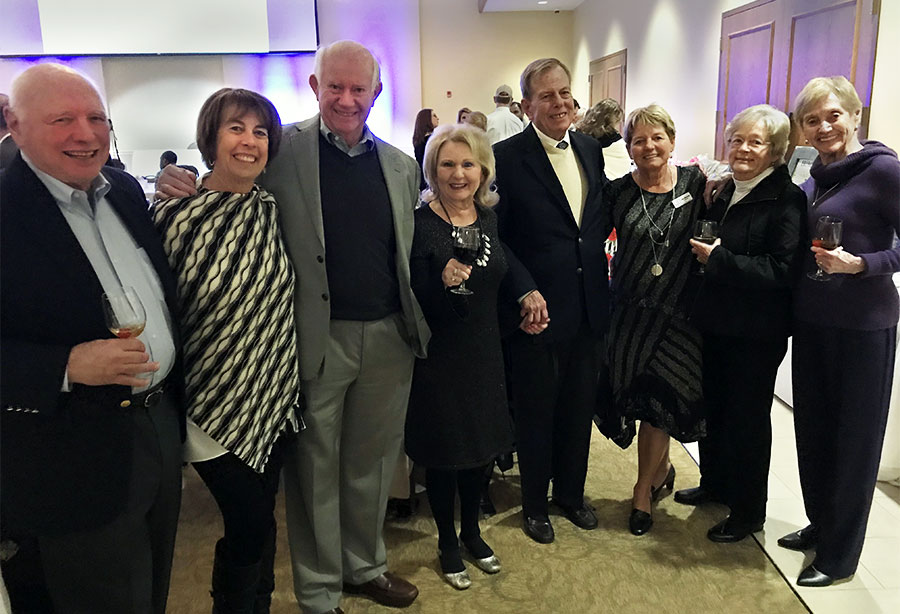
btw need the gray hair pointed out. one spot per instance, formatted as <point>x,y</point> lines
<point>602,119</point>
<point>777,124</point>
<point>819,88</point>
<point>539,67</point>
<point>346,46</point>
<point>477,141</point>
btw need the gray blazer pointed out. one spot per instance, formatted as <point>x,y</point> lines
<point>293,177</point>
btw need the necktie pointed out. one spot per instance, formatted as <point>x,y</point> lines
<point>562,145</point>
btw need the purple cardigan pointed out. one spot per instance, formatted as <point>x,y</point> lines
<point>865,194</point>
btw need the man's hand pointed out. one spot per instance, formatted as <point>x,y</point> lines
<point>838,261</point>
<point>110,361</point>
<point>175,182</point>
<point>712,189</point>
<point>703,250</point>
<point>535,316</point>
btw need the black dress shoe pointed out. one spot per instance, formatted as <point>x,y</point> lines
<point>582,517</point>
<point>695,496</point>
<point>539,529</point>
<point>729,530</point>
<point>813,577</point>
<point>804,539</point>
<point>639,522</point>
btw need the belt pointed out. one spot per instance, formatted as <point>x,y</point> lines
<point>146,399</point>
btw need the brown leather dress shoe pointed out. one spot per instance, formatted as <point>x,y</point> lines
<point>387,589</point>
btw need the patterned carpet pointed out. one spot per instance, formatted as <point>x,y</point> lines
<point>674,568</point>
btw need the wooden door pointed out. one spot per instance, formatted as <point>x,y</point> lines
<point>607,78</point>
<point>771,48</point>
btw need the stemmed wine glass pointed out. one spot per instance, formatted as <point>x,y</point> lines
<point>124,312</point>
<point>705,231</point>
<point>827,236</point>
<point>466,244</point>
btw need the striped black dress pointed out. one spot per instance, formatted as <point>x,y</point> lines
<point>654,352</point>
<point>236,314</point>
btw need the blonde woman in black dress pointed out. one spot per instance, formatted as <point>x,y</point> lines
<point>458,420</point>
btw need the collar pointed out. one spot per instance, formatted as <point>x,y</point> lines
<point>366,143</point>
<point>749,184</point>
<point>65,194</point>
<point>549,144</point>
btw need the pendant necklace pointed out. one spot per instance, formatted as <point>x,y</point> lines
<point>662,238</point>
<point>484,247</point>
<point>817,198</point>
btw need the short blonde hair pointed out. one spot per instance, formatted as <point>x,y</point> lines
<point>778,127</point>
<point>820,88</point>
<point>602,119</point>
<point>651,115</point>
<point>477,119</point>
<point>478,143</point>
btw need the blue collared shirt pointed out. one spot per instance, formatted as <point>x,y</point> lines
<point>117,260</point>
<point>366,143</point>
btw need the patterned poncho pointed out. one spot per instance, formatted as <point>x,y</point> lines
<point>236,310</point>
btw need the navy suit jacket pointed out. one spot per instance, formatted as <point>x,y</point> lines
<point>547,249</point>
<point>65,458</point>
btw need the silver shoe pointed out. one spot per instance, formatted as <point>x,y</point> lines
<point>489,564</point>
<point>459,580</point>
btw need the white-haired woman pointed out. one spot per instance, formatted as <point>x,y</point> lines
<point>743,310</point>
<point>845,330</point>
<point>458,419</point>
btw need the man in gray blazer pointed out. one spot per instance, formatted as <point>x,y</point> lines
<point>346,200</point>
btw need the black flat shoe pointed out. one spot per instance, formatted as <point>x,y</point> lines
<point>729,531</point>
<point>804,539</point>
<point>813,577</point>
<point>582,517</point>
<point>639,522</point>
<point>668,484</point>
<point>695,496</point>
<point>539,529</point>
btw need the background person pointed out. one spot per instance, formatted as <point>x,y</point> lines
<point>654,351</point>
<point>603,122</point>
<point>462,114</point>
<point>501,123</point>
<point>744,311</point>
<point>236,306</point>
<point>477,119</point>
<point>458,420</point>
<point>845,330</point>
<point>426,122</point>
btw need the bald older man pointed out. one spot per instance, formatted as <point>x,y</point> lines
<point>90,424</point>
<point>346,200</point>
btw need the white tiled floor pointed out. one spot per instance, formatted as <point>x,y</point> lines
<point>875,588</point>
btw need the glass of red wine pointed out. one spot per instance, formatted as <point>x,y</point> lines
<point>827,235</point>
<point>466,244</point>
<point>705,231</point>
<point>124,312</point>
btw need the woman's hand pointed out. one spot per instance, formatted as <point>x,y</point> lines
<point>703,250</point>
<point>838,261</point>
<point>455,273</point>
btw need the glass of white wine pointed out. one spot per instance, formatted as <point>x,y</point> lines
<point>124,312</point>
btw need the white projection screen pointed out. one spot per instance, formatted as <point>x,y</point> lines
<point>151,27</point>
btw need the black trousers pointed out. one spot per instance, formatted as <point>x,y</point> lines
<point>738,384</point>
<point>124,567</point>
<point>555,389</point>
<point>842,388</point>
<point>442,486</point>
<point>247,501</point>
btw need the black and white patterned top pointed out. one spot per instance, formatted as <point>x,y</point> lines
<point>236,310</point>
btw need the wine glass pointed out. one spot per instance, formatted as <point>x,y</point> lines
<point>124,312</point>
<point>705,231</point>
<point>827,236</point>
<point>466,245</point>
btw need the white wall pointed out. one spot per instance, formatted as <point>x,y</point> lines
<point>884,124</point>
<point>673,59</point>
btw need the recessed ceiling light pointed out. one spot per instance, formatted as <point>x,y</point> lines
<point>542,2</point>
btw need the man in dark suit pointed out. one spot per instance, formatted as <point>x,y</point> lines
<point>554,221</point>
<point>91,426</point>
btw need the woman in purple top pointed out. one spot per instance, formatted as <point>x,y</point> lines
<point>845,330</point>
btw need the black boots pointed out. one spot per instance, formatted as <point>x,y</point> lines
<point>233,587</point>
<point>266,583</point>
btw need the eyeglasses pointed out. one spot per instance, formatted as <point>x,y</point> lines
<point>753,144</point>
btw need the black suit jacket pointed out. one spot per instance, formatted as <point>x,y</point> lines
<point>547,249</point>
<point>746,290</point>
<point>65,458</point>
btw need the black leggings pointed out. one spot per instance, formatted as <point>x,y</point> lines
<point>441,486</point>
<point>246,500</point>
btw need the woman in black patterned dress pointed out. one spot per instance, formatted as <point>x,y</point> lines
<point>654,352</point>
<point>236,310</point>
<point>458,420</point>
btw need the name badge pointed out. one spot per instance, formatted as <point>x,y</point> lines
<point>682,200</point>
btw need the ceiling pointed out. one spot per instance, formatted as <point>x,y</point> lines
<point>497,6</point>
